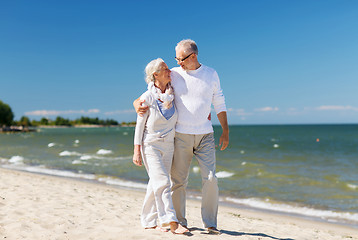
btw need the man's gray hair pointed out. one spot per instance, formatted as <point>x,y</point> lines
<point>151,68</point>
<point>188,45</point>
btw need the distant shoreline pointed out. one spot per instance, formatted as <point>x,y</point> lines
<point>15,129</point>
<point>85,126</point>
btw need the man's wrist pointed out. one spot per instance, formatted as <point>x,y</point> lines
<point>225,129</point>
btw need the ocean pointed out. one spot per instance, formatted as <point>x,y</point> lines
<point>305,170</point>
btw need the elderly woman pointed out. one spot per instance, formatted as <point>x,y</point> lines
<point>154,142</point>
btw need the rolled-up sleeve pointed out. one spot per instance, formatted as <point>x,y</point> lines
<point>218,96</point>
<point>139,129</point>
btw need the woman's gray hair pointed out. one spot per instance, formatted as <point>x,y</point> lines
<point>188,45</point>
<point>151,68</point>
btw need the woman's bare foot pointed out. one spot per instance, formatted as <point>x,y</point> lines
<point>176,228</point>
<point>158,228</point>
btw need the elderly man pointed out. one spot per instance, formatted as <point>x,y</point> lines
<point>196,88</point>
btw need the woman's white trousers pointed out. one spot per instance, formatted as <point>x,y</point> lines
<point>158,205</point>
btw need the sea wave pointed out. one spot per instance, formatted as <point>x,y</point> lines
<point>78,162</point>
<point>68,153</point>
<point>328,215</point>
<point>224,174</point>
<point>87,156</point>
<point>352,186</point>
<point>122,183</point>
<point>51,144</point>
<point>79,175</point>
<point>54,172</point>
<point>16,160</point>
<point>220,174</point>
<point>104,152</point>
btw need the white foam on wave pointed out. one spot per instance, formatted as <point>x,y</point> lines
<point>68,153</point>
<point>196,169</point>
<point>352,186</point>
<point>104,152</point>
<point>221,174</point>
<point>299,210</point>
<point>16,160</point>
<point>276,146</point>
<point>54,172</point>
<point>99,155</point>
<point>3,160</point>
<point>68,174</point>
<point>122,183</point>
<point>224,174</point>
<point>76,143</point>
<point>86,157</point>
<point>124,158</point>
<point>78,162</point>
<point>51,145</point>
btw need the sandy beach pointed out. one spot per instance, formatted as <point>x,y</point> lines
<point>34,206</point>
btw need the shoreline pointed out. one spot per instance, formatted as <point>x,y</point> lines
<point>192,195</point>
<point>41,206</point>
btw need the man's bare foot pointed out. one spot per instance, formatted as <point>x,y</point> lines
<point>213,230</point>
<point>176,228</point>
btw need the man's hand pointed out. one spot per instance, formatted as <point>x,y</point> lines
<point>139,107</point>
<point>224,140</point>
<point>137,157</point>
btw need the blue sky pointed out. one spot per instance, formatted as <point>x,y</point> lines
<point>279,61</point>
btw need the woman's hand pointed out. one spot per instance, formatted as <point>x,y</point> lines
<point>137,157</point>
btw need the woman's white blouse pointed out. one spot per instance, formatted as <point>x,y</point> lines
<point>153,126</point>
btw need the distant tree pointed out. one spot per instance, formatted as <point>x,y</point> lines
<point>25,121</point>
<point>96,121</point>
<point>92,121</point>
<point>111,122</point>
<point>6,114</point>
<point>44,121</point>
<point>60,121</point>
<point>35,122</point>
<point>84,120</point>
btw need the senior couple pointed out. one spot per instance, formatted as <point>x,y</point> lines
<point>173,124</point>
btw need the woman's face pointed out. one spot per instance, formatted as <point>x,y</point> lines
<point>163,75</point>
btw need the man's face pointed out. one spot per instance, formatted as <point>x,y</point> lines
<point>184,59</point>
